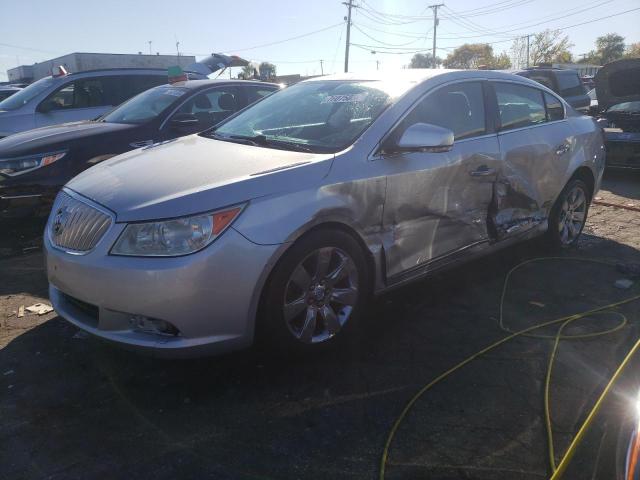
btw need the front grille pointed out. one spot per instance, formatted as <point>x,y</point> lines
<point>74,225</point>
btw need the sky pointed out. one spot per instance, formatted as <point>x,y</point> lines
<point>36,30</point>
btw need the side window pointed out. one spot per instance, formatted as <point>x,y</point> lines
<point>543,79</point>
<point>62,99</point>
<point>212,106</point>
<point>257,93</point>
<point>570,84</point>
<point>555,110</point>
<point>458,107</point>
<point>84,93</point>
<point>519,106</point>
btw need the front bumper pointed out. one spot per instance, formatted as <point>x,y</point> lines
<point>22,203</point>
<point>623,149</point>
<point>210,296</point>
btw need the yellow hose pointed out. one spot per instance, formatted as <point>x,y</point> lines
<point>564,321</point>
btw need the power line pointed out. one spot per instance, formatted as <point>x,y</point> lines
<point>528,25</point>
<point>499,41</point>
<point>277,42</point>
<point>384,43</point>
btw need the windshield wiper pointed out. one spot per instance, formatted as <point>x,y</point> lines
<point>264,141</point>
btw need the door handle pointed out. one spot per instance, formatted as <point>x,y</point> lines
<point>482,171</point>
<point>562,149</point>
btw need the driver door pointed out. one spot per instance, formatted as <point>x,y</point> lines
<point>209,107</point>
<point>438,203</point>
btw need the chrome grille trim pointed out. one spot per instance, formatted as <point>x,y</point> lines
<point>75,225</point>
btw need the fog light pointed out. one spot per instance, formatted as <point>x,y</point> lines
<point>141,323</point>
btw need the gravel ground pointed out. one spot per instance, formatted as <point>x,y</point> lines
<point>71,407</point>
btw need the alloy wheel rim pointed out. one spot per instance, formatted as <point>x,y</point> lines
<point>320,295</point>
<point>573,215</point>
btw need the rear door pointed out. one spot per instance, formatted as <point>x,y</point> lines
<point>536,143</point>
<point>437,202</point>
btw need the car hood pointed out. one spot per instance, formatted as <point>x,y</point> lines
<point>194,174</point>
<point>618,82</point>
<point>41,140</point>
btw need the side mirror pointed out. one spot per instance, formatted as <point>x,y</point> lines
<point>423,137</point>
<point>184,120</point>
<point>47,106</point>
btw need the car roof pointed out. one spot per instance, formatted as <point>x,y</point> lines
<point>419,75</point>
<point>195,84</point>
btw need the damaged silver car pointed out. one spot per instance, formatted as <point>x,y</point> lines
<point>280,223</point>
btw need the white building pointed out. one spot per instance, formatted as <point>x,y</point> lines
<point>80,62</point>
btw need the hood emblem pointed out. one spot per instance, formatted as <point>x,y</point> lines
<point>59,220</point>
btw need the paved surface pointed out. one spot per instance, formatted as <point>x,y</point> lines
<point>71,407</point>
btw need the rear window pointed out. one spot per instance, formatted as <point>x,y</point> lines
<point>519,106</point>
<point>570,84</point>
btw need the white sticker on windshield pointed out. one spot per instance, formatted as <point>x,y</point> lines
<point>176,92</point>
<point>349,98</point>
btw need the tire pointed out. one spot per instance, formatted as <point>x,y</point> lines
<point>568,215</point>
<point>323,273</point>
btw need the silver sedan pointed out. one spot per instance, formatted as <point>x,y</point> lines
<point>282,221</point>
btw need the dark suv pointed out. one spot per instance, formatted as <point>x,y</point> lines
<point>565,83</point>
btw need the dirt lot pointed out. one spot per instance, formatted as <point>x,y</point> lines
<point>71,407</point>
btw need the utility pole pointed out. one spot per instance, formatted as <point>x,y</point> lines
<point>150,42</point>
<point>528,35</point>
<point>435,28</point>
<point>377,64</point>
<point>321,67</point>
<point>346,49</point>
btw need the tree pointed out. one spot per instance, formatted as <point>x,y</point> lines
<point>267,70</point>
<point>476,55</point>
<point>550,46</point>
<point>518,52</point>
<point>610,47</point>
<point>424,60</point>
<point>501,62</point>
<point>633,51</point>
<point>248,71</point>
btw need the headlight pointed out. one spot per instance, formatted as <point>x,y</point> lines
<point>179,236</point>
<point>18,166</point>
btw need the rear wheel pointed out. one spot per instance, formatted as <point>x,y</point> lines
<point>569,215</point>
<point>316,292</point>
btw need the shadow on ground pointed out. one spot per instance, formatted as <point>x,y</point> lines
<point>75,408</point>
<point>623,183</point>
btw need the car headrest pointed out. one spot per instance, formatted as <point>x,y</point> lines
<point>226,101</point>
<point>202,102</point>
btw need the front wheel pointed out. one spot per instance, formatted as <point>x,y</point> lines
<point>316,292</point>
<point>569,215</point>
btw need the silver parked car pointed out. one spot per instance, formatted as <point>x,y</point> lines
<point>280,222</point>
<point>75,96</point>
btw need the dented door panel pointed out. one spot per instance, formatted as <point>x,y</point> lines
<point>533,172</point>
<point>437,203</point>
